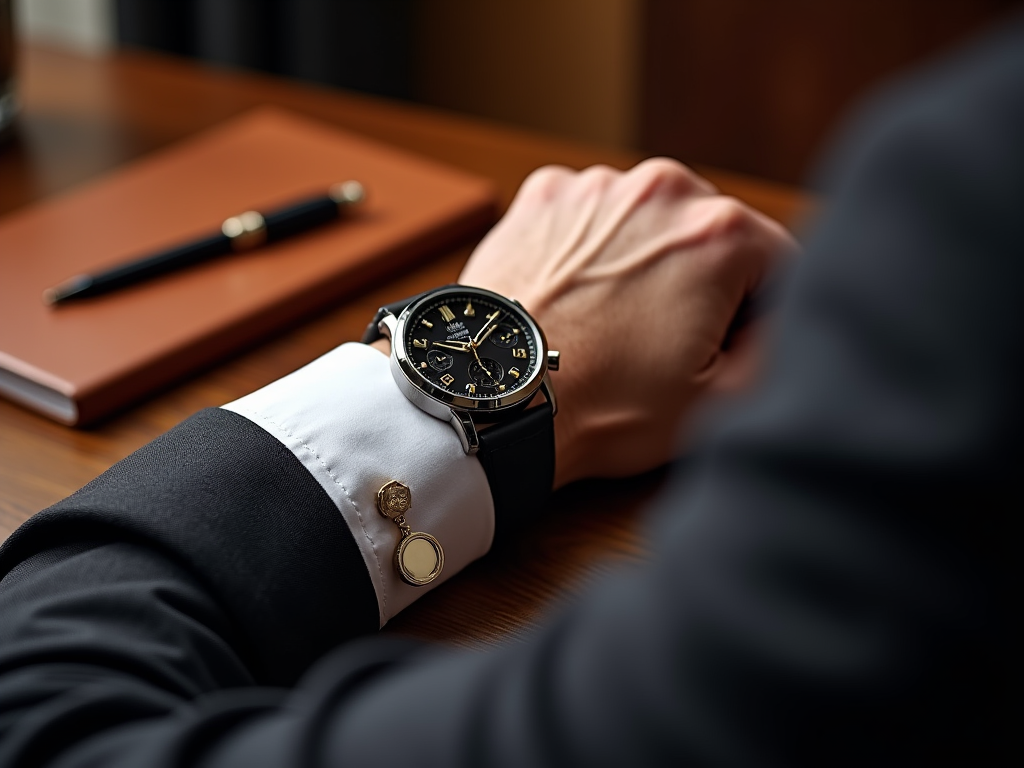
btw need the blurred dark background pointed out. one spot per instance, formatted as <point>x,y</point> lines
<point>360,44</point>
<point>758,86</point>
<point>753,86</point>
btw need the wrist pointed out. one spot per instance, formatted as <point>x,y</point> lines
<point>488,423</point>
<point>568,467</point>
<point>576,449</point>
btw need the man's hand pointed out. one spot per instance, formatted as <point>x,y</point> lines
<point>635,278</point>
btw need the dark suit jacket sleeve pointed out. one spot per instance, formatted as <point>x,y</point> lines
<point>832,578</point>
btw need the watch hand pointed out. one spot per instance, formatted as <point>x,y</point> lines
<point>458,346</point>
<point>484,337</point>
<point>486,331</point>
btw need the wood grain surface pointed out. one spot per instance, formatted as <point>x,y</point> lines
<point>85,115</point>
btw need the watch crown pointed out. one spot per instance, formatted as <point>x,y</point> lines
<point>553,358</point>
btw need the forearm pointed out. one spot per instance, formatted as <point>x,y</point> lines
<point>230,512</point>
<point>173,575</point>
<point>232,551</point>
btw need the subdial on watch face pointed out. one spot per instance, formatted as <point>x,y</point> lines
<point>486,372</point>
<point>505,336</point>
<point>439,361</point>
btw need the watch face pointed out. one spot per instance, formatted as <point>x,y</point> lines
<point>471,348</point>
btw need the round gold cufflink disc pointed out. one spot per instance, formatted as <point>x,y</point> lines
<point>419,559</point>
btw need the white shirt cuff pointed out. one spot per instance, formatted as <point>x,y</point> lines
<point>345,419</point>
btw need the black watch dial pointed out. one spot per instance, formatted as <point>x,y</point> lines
<point>472,345</point>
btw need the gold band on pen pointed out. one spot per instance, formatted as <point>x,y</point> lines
<point>346,193</point>
<point>246,230</point>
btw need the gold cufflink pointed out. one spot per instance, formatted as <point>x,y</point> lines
<point>419,557</point>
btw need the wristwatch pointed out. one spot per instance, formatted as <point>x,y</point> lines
<point>472,357</point>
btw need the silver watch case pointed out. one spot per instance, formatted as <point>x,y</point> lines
<point>461,411</point>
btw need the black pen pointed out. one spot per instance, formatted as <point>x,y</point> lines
<point>239,233</point>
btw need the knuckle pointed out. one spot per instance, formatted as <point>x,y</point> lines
<point>666,174</point>
<point>545,181</point>
<point>598,177</point>
<point>738,234</point>
<point>731,217</point>
<point>662,166</point>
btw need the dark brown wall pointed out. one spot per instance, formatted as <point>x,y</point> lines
<point>566,67</point>
<point>757,85</point>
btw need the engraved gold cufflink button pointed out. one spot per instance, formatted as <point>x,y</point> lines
<point>419,557</point>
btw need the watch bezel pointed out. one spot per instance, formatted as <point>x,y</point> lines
<point>416,386</point>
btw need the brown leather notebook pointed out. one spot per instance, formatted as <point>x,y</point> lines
<point>79,361</point>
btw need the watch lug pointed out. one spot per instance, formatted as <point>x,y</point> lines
<point>549,393</point>
<point>387,325</point>
<point>464,427</point>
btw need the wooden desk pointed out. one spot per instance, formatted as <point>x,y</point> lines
<point>83,116</point>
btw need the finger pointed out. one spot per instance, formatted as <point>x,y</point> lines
<point>762,247</point>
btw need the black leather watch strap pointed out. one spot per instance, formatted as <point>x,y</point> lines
<point>372,332</point>
<point>518,457</point>
<point>517,454</point>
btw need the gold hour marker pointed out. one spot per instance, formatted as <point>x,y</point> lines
<point>447,379</point>
<point>423,365</point>
<point>446,314</point>
<point>469,311</point>
<point>421,343</point>
<point>471,388</point>
<point>501,387</point>
<point>427,323</point>
<point>515,331</point>
<point>519,352</point>
<point>514,372</point>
